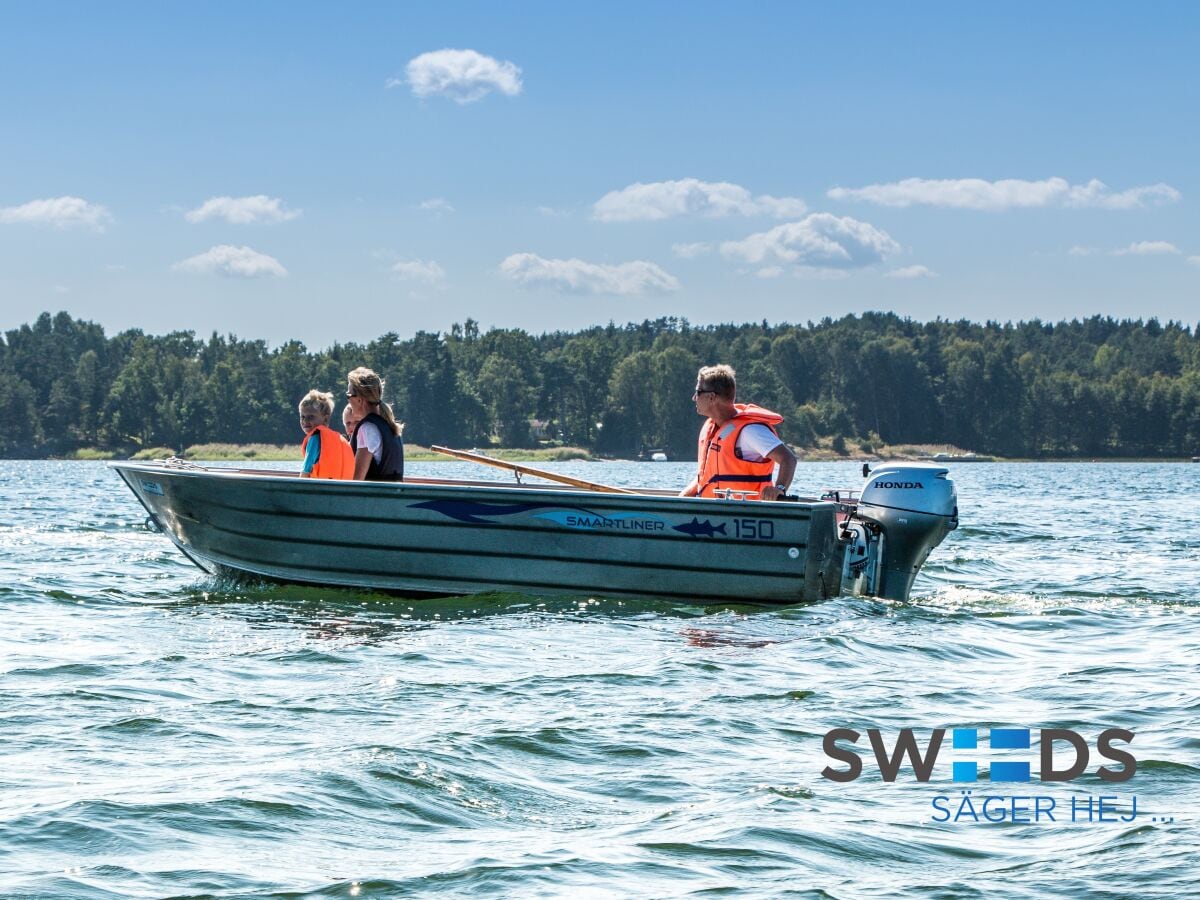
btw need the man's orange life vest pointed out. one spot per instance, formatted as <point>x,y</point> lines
<point>336,459</point>
<point>720,465</point>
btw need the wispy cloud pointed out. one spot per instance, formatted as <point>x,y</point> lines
<point>1147,248</point>
<point>237,262</point>
<point>464,76</point>
<point>439,206</point>
<point>242,210</point>
<point>424,271</point>
<point>821,240</point>
<point>1080,250</point>
<point>1194,260</point>
<point>690,197</point>
<point>691,251</point>
<point>912,272</point>
<point>1011,193</point>
<point>61,212</point>
<point>578,276</point>
<point>816,273</point>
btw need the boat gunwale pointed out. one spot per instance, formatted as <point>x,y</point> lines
<point>336,485</point>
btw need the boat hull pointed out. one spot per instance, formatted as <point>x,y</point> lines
<point>439,538</point>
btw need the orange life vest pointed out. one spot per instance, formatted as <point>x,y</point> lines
<point>720,465</point>
<point>336,459</point>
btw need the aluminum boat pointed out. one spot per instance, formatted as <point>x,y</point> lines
<point>429,536</point>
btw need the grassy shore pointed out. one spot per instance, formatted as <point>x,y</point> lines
<point>291,453</point>
<point>825,451</point>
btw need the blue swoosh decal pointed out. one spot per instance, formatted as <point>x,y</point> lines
<point>472,512</point>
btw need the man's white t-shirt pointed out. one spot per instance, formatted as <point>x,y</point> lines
<point>755,441</point>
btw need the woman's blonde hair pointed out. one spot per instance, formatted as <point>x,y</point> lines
<point>319,402</point>
<point>366,384</point>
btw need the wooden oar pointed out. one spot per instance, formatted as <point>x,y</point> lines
<point>529,470</point>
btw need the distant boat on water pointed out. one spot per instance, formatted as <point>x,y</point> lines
<point>961,457</point>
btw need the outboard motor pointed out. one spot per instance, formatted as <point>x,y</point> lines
<point>905,510</point>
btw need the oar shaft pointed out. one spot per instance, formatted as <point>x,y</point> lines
<point>529,470</point>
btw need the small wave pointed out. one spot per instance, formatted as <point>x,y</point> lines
<point>1165,768</point>
<point>153,727</point>
<point>74,670</point>
<point>98,825</point>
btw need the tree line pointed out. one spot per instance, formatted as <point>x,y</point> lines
<point>1096,387</point>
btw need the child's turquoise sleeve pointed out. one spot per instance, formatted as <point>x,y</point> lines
<point>313,453</point>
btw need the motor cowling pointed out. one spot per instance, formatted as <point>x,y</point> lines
<point>914,506</point>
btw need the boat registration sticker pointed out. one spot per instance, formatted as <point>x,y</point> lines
<point>152,487</point>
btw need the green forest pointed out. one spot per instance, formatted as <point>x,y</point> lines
<point>1098,387</point>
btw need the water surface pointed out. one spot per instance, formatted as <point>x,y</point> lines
<point>166,734</point>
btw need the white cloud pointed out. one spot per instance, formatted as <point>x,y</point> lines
<point>61,212</point>
<point>821,240</point>
<point>426,271</point>
<point>551,213</point>
<point>242,210</point>
<point>1080,250</point>
<point>439,206</point>
<point>1011,193</point>
<point>462,75</point>
<point>769,272</point>
<point>810,273</point>
<point>1096,194</point>
<point>577,276</point>
<point>240,262</point>
<point>912,272</point>
<point>1147,248</point>
<point>60,289</point>
<point>1194,260</point>
<point>691,251</point>
<point>690,196</point>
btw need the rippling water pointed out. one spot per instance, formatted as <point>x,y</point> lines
<point>165,734</point>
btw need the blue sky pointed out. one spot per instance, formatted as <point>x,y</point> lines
<point>281,170</point>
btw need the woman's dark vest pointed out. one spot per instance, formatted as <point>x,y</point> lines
<point>390,466</point>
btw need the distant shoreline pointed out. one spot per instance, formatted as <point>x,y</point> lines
<point>417,453</point>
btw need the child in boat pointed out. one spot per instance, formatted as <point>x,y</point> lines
<point>349,420</point>
<point>326,453</point>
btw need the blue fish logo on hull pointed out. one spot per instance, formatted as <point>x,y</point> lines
<point>696,528</point>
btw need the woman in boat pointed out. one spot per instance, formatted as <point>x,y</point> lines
<point>378,450</point>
